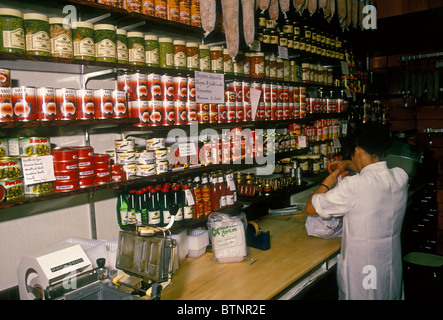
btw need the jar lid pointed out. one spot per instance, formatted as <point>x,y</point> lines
<point>35,16</point>
<point>303,157</point>
<point>179,42</point>
<point>11,12</point>
<point>203,46</point>
<point>314,156</point>
<point>58,20</point>
<point>258,54</point>
<point>82,24</point>
<point>135,34</point>
<point>151,37</point>
<point>104,27</point>
<point>216,48</point>
<point>165,40</point>
<point>192,44</point>
<point>122,32</point>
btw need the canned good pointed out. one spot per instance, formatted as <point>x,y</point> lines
<point>6,106</point>
<point>34,146</point>
<point>102,176</point>
<point>125,145</point>
<point>161,167</point>
<point>5,78</point>
<point>86,171</point>
<point>154,86</point>
<point>39,188</point>
<point>129,169</point>
<point>155,143</point>
<point>4,148</point>
<point>46,103</point>
<point>116,167</point>
<point>86,181</point>
<point>140,110</point>
<point>12,189</point>
<point>181,88</point>
<point>161,154</point>
<point>10,168</point>
<point>180,112</point>
<point>118,176</point>
<point>64,154</point>
<point>168,113</point>
<point>191,112</point>
<point>144,170</point>
<point>167,87</point>
<point>66,175</point>
<point>125,157</point>
<point>145,157</point>
<point>65,165</point>
<point>66,103</point>
<point>138,83</point>
<point>156,112</point>
<point>104,107</point>
<point>66,185</point>
<point>85,103</point>
<point>84,151</point>
<point>101,166</point>
<point>120,104</point>
<point>101,157</point>
<point>24,103</point>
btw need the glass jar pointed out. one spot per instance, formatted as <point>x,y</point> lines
<point>228,66</point>
<point>122,46</point>
<point>247,64</point>
<point>257,65</point>
<point>105,43</point>
<point>83,40</point>
<point>179,48</point>
<point>36,28</point>
<point>204,57</point>
<point>61,38</point>
<point>303,163</point>
<point>216,54</point>
<point>306,77</point>
<point>192,56</point>
<point>13,36</point>
<point>151,51</point>
<point>166,53</point>
<point>315,163</point>
<point>136,48</point>
<point>238,64</point>
<point>273,68</point>
<point>279,65</point>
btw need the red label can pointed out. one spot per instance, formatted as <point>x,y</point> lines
<point>246,91</point>
<point>236,87</point>
<point>169,112</point>
<point>180,88</point>
<point>261,111</point>
<point>103,104</point>
<point>213,113</point>
<point>46,103</point>
<point>230,112</point>
<point>274,111</point>
<point>64,154</point>
<point>156,112</point>
<point>123,83</point>
<point>266,92</point>
<point>85,103</point>
<point>268,111</point>
<point>222,114</point>
<point>191,89</point>
<point>296,111</point>
<point>5,78</point>
<point>66,103</point>
<point>6,108</point>
<point>154,86</point>
<point>285,113</point>
<point>138,83</point>
<point>86,181</point>
<point>66,185</point>
<point>84,151</point>
<point>24,103</point>
<point>65,165</point>
<point>239,112</point>
<point>181,116</point>
<point>167,84</point>
<point>279,93</point>
<point>274,92</point>
<point>229,96</point>
<point>140,109</point>
<point>247,111</point>
<point>191,112</point>
<point>120,104</point>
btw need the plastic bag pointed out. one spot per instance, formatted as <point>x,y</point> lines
<point>227,234</point>
<point>325,229</point>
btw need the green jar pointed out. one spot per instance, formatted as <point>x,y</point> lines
<point>151,50</point>
<point>205,58</point>
<point>136,48</point>
<point>83,40</point>
<point>37,38</point>
<point>166,53</point>
<point>12,37</point>
<point>122,46</point>
<point>105,43</point>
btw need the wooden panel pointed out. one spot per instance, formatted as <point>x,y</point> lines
<point>430,112</point>
<point>429,123</point>
<point>402,125</point>
<point>401,113</point>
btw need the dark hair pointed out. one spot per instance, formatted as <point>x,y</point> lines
<point>372,137</point>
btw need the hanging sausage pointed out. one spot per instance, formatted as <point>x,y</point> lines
<point>299,5</point>
<point>354,13</point>
<point>284,5</point>
<point>327,9</point>
<point>312,6</point>
<point>248,21</point>
<point>273,10</point>
<point>342,9</point>
<point>322,4</point>
<point>230,22</point>
<point>263,4</point>
<point>207,12</point>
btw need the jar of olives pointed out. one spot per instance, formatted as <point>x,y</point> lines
<point>36,28</point>
<point>105,43</point>
<point>166,53</point>
<point>12,37</point>
<point>151,50</point>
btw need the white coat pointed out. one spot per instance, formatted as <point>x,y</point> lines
<point>373,204</point>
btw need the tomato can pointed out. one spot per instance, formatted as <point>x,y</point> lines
<point>154,86</point>
<point>104,108</point>
<point>34,146</point>
<point>116,167</point>
<point>268,111</point>
<point>66,103</point>
<point>167,87</point>
<point>213,113</point>
<point>118,175</point>
<point>168,112</point>
<point>247,111</point>
<point>85,103</point>
<point>246,91</point>
<point>120,104</point>
<point>266,92</point>
<point>102,176</point>
<point>229,96</point>
<point>66,185</point>
<point>239,112</point>
<point>181,88</point>
<point>138,83</point>
<point>202,113</point>
<point>6,107</point>
<point>101,166</point>
<point>123,83</point>
<point>156,112</point>
<point>140,109</point>
<point>279,110</point>
<point>86,181</point>
<point>181,116</point>
<point>86,171</point>
<point>65,165</point>
<point>46,103</point>
<point>11,188</point>
<point>191,112</point>
<point>84,151</point>
<point>221,113</point>
<point>39,188</point>
<point>101,157</point>
<point>5,78</point>
<point>64,154</point>
<point>66,175</point>
<point>190,89</point>
<point>24,103</point>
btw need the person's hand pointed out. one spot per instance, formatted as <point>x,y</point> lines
<point>332,179</point>
<point>341,166</point>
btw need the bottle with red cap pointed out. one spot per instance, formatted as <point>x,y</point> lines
<point>154,213</point>
<point>176,200</point>
<point>165,200</point>
<point>188,203</point>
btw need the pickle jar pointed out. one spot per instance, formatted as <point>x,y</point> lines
<point>204,57</point>
<point>36,28</point>
<point>192,56</point>
<point>216,56</point>
<point>12,37</point>
<point>247,64</point>
<point>179,49</point>
<point>136,48</point>
<point>151,50</point>
<point>61,38</point>
<point>257,65</point>
<point>228,66</point>
<point>122,46</point>
<point>166,53</point>
<point>105,43</point>
<point>83,40</point>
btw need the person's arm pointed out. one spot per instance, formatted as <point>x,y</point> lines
<point>342,165</point>
<point>324,187</point>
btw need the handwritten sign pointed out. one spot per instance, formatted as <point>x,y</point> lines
<point>209,87</point>
<point>37,169</point>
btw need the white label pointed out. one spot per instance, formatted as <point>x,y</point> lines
<point>188,212</point>
<point>187,149</point>
<point>38,41</point>
<point>61,44</point>
<point>105,48</point>
<point>84,47</point>
<point>189,197</point>
<point>154,217</point>
<point>152,56</point>
<point>37,169</point>
<point>210,87</point>
<point>14,39</point>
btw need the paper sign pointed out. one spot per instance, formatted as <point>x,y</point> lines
<point>283,53</point>
<point>187,149</point>
<point>209,87</point>
<point>255,98</point>
<point>302,141</point>
<point>37,169</point>
<point>336,142</point>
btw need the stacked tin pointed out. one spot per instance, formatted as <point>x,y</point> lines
<point>11,175</point>
<point>102,168</point>
<point>65,161</point>
<point>125,156</point>
<point>86,169</point>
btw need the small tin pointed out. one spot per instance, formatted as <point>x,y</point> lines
<point>84,151</point>
<point>86,171</point>
<point>85,103</point>
<point>12,188</point>
<point>64,154</point>
<point>144,170</point>
<point>46,103</point>
<point>161,154</point>
<point>125,145</point>
<point>120,104</point>
<point>161,167</point>
<point>85,162</point>
<point>24,103</point>
<point>34,146</point>
<point>116,167</point>
<point>145,157</point>
<point>155,143</point>
<point>101,157</point>
<point>86,181</point>
<point>6,106</point>
<point>104,109</point>
<point>66,185</point>
<point>66,103</point>
<point>65,165</point>
<point>66,175</point>
<point>10,168</point>
<point>129,169</point>
<point>118,176</point>
<point>125,157</point>
<point>102,166</point>
<point>5,77</point>
<point>38,188</point>
<point>102,176</point>
<point>4,147</point>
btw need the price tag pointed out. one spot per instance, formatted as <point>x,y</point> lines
<point>187,149</point>
<point>189,197</point>
<point>302,141</point>
<point>209,87</point>
<point>230,182</point>
<point>283,53</point>
<point>37,169</point>
<point>255,98</point>
<point>336,142</point>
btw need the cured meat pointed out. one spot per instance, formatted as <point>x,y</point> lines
<point>333,7</point>
<point>354,13</point>
<point>312,6</point>
<point>273,10</point>
<point>322,4</point>
<point>299,5</point>
<point>248,21</point>
<point>263,4</point>
<point>284,5</point>
<point>342,9</point>
<point>207,12</point>
<point>349,13</point>
<point>361,5</point>
<point>230,23</point>
<point>327,9</point>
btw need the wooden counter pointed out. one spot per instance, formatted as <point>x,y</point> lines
<point>293,254</point>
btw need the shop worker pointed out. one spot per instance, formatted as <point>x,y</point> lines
<point>372,203</point>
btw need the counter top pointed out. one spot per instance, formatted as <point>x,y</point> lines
<point>263,274</point>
